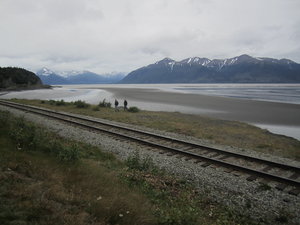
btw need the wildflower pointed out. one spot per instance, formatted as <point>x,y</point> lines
<point>127,212</point>
<point>121,215</point>
<point>99,198</point>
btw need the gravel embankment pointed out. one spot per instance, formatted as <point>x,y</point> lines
<point>233,190</point>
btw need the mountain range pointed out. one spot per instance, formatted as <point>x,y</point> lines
<point>76,77</point>
<point>240,69</point>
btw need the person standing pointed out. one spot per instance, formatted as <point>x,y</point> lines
<point>125,105</point>
<point>116,105</point>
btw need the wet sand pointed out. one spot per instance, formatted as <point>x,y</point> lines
<point>251,111</point>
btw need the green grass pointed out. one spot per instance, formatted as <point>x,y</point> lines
<point>222,132</point>
<point>37,186</point>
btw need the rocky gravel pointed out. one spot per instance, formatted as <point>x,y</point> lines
<point>265,205</point>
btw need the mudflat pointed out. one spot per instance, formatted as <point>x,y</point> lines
<point>245,110</point>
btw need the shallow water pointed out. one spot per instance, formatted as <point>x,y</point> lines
<point>287,93</point>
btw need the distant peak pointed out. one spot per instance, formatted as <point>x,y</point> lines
<point>45,71</point>
<point>165,60</point>
<point>245,56</point>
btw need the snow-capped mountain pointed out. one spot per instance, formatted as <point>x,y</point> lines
<point>240,69</point>
<point>76,77</point>
<point>45,72</point>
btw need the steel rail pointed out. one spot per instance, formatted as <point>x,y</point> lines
<point>171,139</point>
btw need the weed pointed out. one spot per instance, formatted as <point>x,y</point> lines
<point>133,109</point>
<point>81,104</point>
<point>60,103</point>
<point>134,162</point>
<point>22,133</point>
<point>264,187</point>
<point>69,153</point>
<point>104,104</point>
<point>51,102</point>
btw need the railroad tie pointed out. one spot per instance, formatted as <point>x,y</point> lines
<point>251,178</point>
<point>281,187</point>
<point>224,157</point>
<point>215,155</point>
<point>171,154</point>
<point>295,191</point>
<point>187,158</point>
<point>206,164</point>
<point>266,169</point>
<point>294,176</point>
<point>228,170</point>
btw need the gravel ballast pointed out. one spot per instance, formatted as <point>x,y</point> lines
<point>268,206</point>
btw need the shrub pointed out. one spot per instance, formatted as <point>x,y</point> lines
<point>104,104</point>
<point>69,153</point>
<point>81,104</point>
<point>59,103</point>
<point>51,102</point>
<point>133,109</point>
<point>23,133</point>
<point>135,162</point>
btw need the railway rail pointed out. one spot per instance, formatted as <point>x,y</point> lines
<point>286,177</point>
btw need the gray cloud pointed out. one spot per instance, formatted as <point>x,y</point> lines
<point>122,35</point>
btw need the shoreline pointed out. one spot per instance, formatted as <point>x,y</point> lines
<point>278,118</point>
<point>251,111</point>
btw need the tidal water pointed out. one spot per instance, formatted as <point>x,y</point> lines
<point>284,93</point>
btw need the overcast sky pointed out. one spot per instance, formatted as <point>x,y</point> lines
<point>122,35</point>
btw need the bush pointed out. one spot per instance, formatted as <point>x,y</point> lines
<point>51,102</point>
<point>23,133</point>
<point>81,104</point>
<point>135,162</point>
<point>59,103</point>
<point>69,153</point>
<point>104,104</point>
<point>133,109</point>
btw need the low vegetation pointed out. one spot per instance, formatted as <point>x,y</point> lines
<point>104,104</point>
<point>45,179</point>
<point>215,131</point>
<point>133,109</point>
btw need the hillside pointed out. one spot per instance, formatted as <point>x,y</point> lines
<point>241,69</point>
<point>17,78</point>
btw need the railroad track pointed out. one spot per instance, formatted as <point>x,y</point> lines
<point>286,177</point>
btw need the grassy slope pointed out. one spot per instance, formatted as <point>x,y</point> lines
<point>228,133</point>
<point>38,186</point>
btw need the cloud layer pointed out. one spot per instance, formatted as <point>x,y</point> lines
<point>122,35</point>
